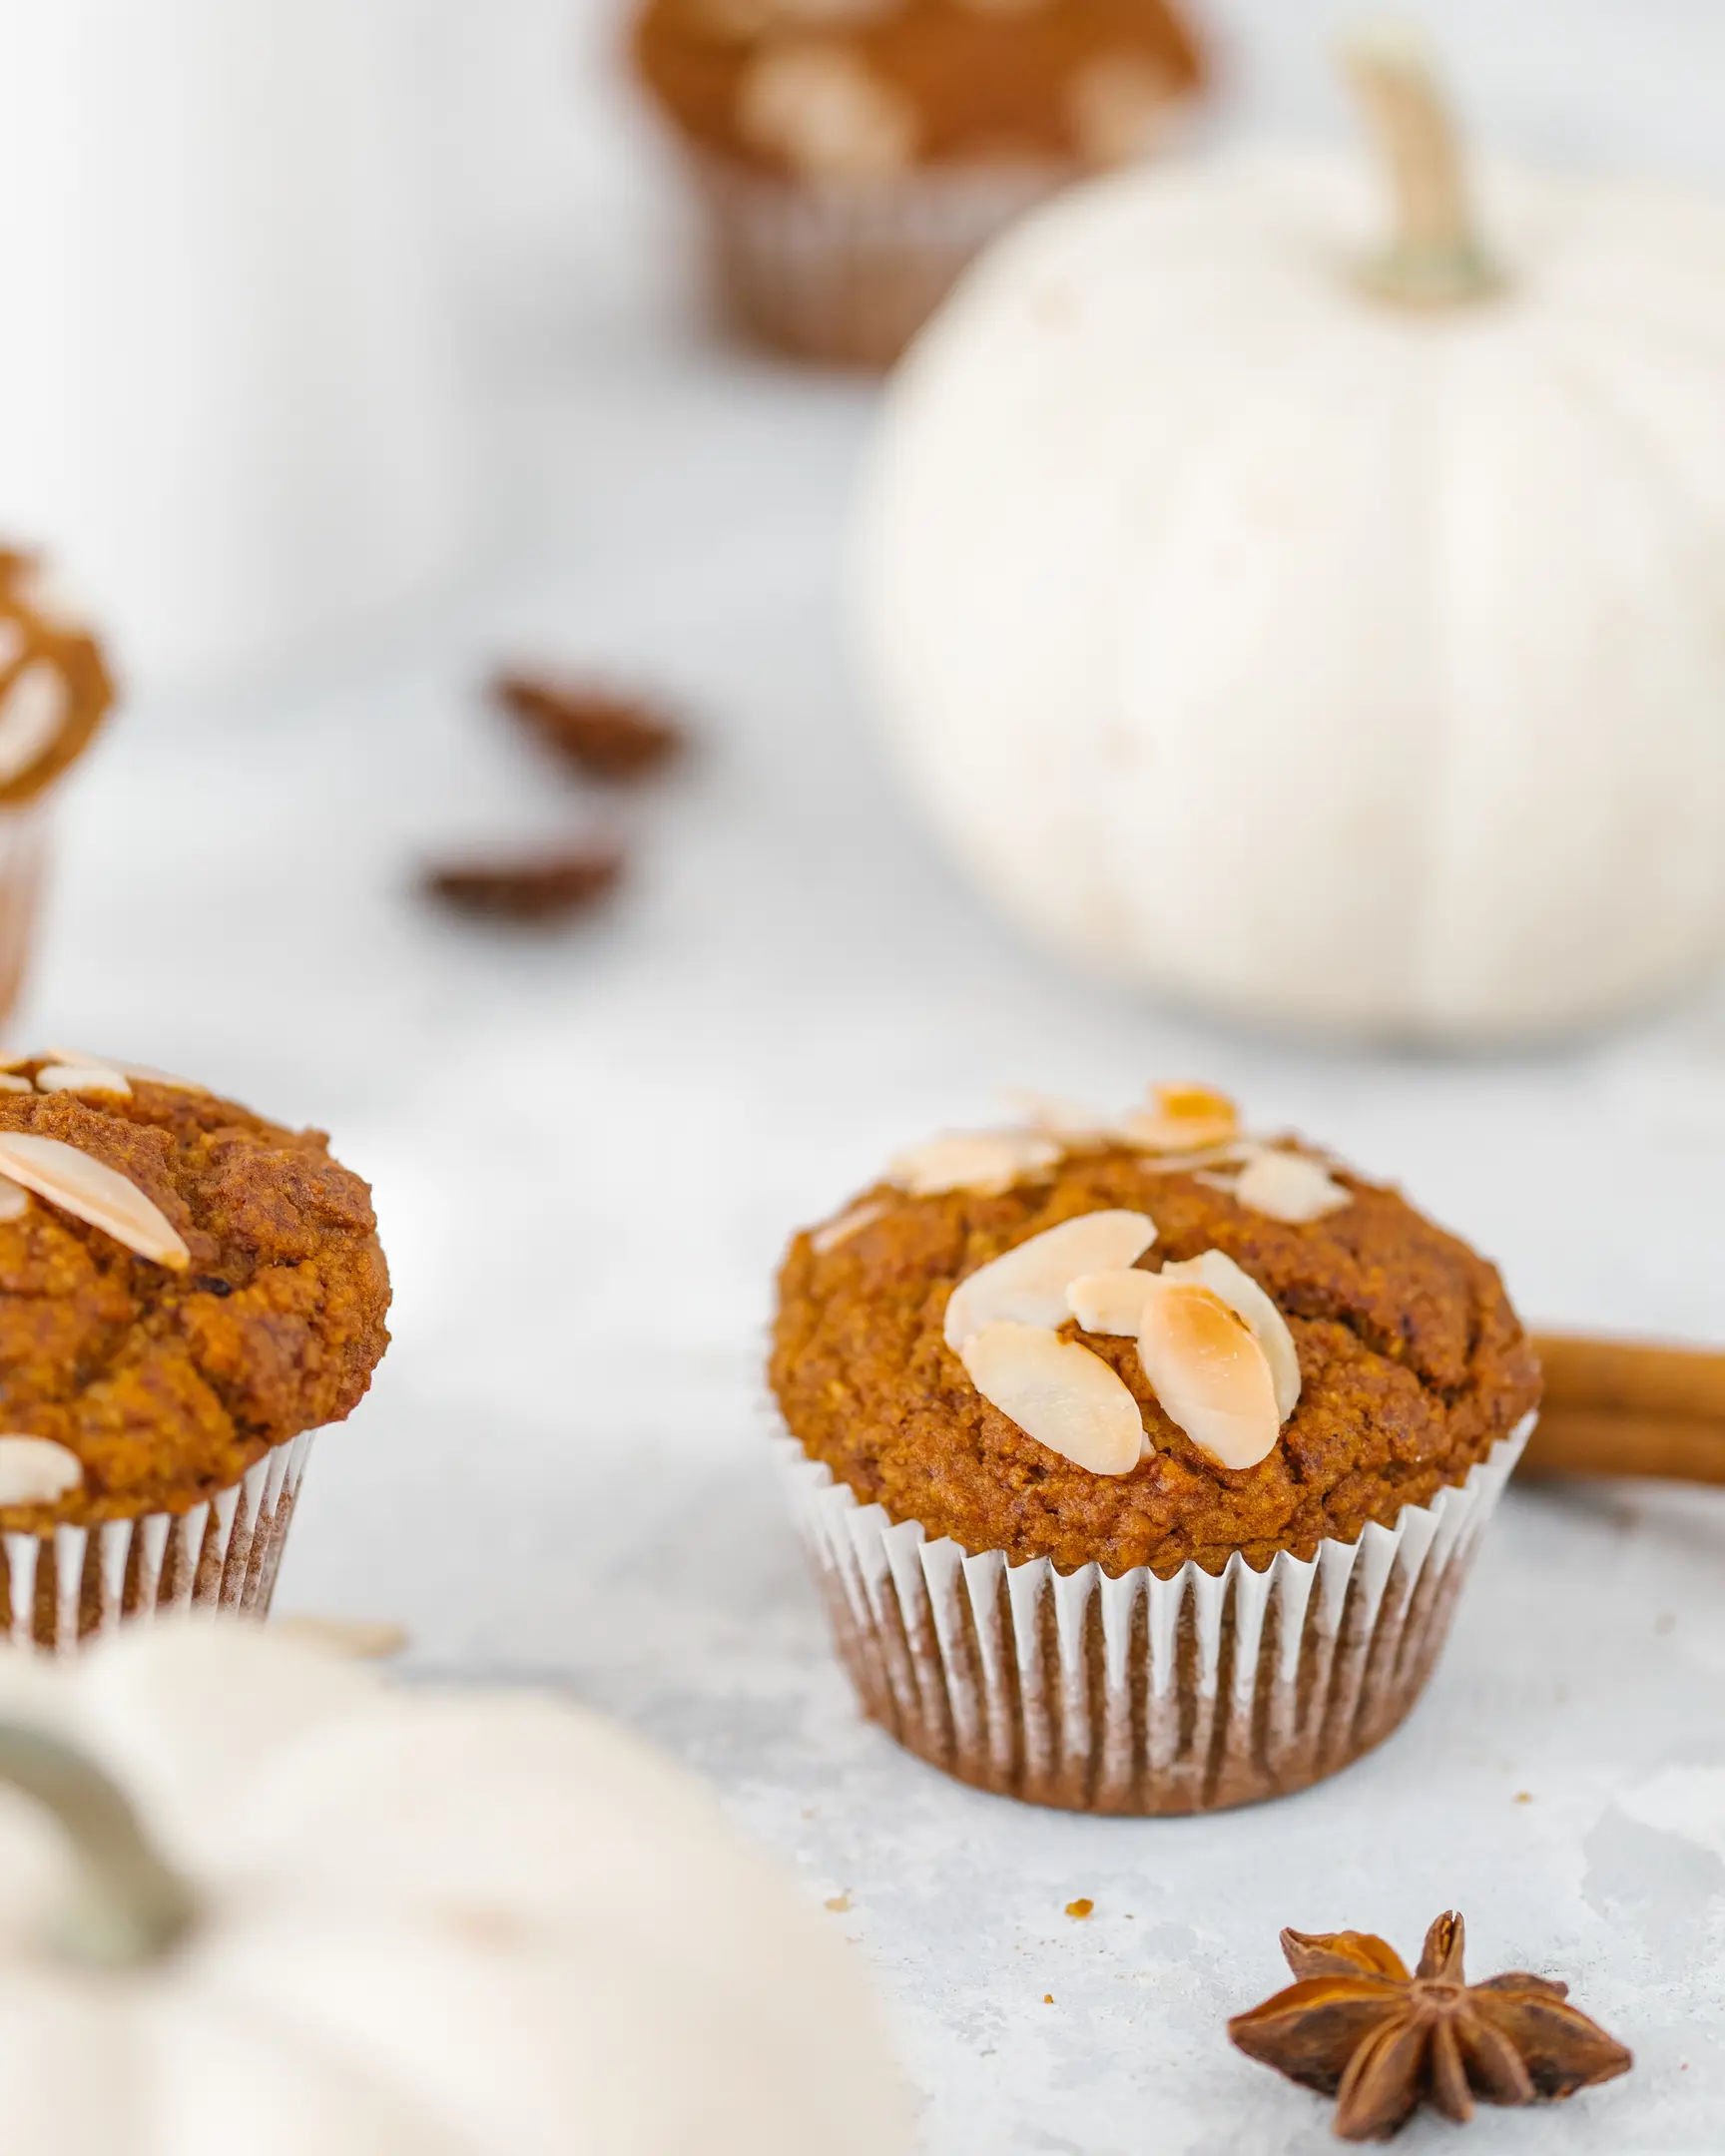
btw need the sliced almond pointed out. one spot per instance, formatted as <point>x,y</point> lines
<point>987,1162</point>
<point>10,1082</point>
<point>35,1470</point>
<point>33,709</point>
<point>14,1203</point>
<point>1210,1375</point>
<point>1232,1285</point>
<point>44,592</point>
<point>1111,1301</point>
<point>1182,1118</point>
<point>1196,1163</point>
<point>81,1078</point>
<point>1059,1394</point>
<point>834,1232</point>
<point>1062,1118</point>
<point>143,1072</point>
<point>93,1191</point>
<point>822,109</point>
<point>1289,1187</point>
<point>1119,105</point>
<point>1028,1283</point>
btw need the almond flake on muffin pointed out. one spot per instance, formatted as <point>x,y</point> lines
<point>1030,1284</point>
<point>1057,1392</point>
<point>823,110</point>
<point>986,1161</point>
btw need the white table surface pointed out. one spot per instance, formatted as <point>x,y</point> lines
<point>588,1148</point>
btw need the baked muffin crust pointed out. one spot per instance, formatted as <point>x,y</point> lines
<point>1412,1365</point>
<point>167,1385</point>
<point>972,82</point>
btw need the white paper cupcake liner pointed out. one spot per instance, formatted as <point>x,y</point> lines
<point>847,274</point>
<point>77,1583</point>
<point>1138,1694</point>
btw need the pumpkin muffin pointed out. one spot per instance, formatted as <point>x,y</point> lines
<point>1142,1461</point>
<point>187,1293</point>
<point>852,157</point>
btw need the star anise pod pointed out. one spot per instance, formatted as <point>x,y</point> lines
<point>1358,2028</point>
<point>602,732</point>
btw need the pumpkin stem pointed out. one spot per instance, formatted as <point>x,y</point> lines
<point>128,1906</point>
<point>1434,257</point>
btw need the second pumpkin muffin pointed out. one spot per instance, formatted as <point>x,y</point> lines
<point>1192,1414</point>
<point>187,1293</point>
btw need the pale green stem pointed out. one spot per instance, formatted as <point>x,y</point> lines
<point>1434,257</point>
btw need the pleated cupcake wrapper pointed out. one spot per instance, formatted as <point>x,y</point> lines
<point>1138,1694</point>
<point>848,274</point>
<point>77,1583</point>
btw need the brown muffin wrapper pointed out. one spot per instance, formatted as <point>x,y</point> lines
<point>847,274</point>
<point>1138,1694</point>
<point>75,1584</point>
<point>23,861</point>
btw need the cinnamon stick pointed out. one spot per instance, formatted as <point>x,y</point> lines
<point>1629,1408</point>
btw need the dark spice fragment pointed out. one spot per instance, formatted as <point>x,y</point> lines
<point>530,887</point>
<point>605,734</point>
<point>1358,2028</point>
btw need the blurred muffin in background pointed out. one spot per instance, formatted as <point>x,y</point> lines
<point>55,692</point>
<point>853,155</point>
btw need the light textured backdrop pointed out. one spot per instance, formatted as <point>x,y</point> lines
<point>587,1151</point>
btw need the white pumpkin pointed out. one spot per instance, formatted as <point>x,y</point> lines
<point>1344,651</point>
<point>393,1924</point>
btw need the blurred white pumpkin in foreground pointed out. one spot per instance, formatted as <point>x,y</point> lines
<point>1340,651</point>
<point>393,1924</point>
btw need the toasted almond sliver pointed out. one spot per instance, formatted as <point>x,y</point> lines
<point>1059,1394</point>
<point>35,1470</point>
<point>1182,1118</point>
<point>1194,1163</point>
<point>32,712</point>
<point>1210,1375</point>
<point>1118,105</point>
<point>1111,1301</point>
<point>1232,1285</point>
<point>143,1072</point>
<point>10,1082</point>
<point>14,1202</point>
<point>81,1078</point>
<point>1289,1187</point>
<point>1062,1118</point>
<point>832,1233</point>
<point>824,108</point>
<point>987,1162</point>
<point>1028,1283</point>
<point>92,1192</point>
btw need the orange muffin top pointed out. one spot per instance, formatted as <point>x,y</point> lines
<point>1201,1344</point>
<point>866,89</point>
<point>183,1284</point>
